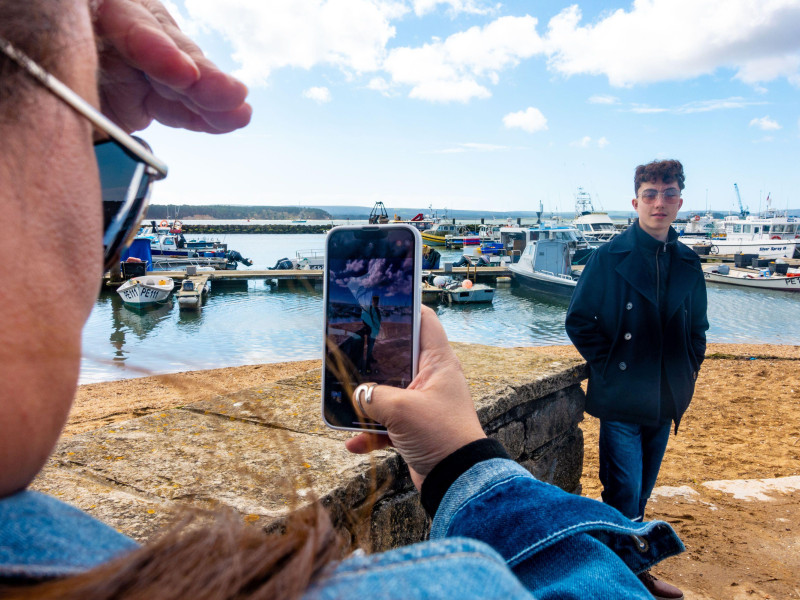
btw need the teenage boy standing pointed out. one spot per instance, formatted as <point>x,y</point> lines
<point>638,317</point>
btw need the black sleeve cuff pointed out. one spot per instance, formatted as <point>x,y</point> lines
<point>443,475</point>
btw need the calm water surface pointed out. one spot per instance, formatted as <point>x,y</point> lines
<point>260,324</point>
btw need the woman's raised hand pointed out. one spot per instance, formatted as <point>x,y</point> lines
<point>151,70</point>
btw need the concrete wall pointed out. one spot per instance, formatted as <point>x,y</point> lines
<point>264,451</point>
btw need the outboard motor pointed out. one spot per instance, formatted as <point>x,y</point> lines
<point>282,264</point>
<point>234,257</point>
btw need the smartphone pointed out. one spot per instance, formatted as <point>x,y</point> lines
<point>372,298</point>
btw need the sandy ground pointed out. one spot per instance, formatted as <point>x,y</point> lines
<point>742,425</point>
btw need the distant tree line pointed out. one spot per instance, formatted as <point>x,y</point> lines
<point>227,211</point>
<point>189,228</point>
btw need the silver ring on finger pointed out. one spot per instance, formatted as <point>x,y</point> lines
<point>368,394</point>
<point>357,393</point>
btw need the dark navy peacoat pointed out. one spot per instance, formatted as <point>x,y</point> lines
<point>614,322</point>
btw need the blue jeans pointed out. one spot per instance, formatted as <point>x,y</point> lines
<point>630,458</point>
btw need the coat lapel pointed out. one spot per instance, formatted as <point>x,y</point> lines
<point>682,274</point>
<point>632,268</point>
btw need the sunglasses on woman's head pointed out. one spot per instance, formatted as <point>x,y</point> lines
<point>126,165</point>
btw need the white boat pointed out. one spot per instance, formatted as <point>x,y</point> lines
<point>303,260</point>
<point>769,235</point>
<point>461,291</point>
<point>462,239</point>
<point>515,239</point>
<point>596,226</point>
<point>194,298</point>
<point>704,225</point>
<point>489,233</point>
<point>752,278</point>
<point>545,267</point>
<point>149,290</point>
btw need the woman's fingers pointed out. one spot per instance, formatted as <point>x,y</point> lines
<point>364,443</point>
<point>152,70</point>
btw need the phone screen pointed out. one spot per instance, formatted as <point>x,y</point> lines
<point>371,315</point>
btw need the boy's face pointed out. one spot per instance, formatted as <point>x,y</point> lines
<point>657,214</point>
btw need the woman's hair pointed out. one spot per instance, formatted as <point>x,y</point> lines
<point>224,559</point>
<point>665,171</point>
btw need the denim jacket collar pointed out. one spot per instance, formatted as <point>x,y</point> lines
<point>41,537</point>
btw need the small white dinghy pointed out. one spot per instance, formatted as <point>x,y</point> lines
<point>752,278</point>
<point>463,292</point>
<point>145,291</point>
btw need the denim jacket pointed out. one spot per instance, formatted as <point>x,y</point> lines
<point>498,533</point>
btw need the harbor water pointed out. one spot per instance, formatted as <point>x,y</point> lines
<point>259,323</point>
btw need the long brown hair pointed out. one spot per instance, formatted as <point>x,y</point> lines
<point>224,559</point>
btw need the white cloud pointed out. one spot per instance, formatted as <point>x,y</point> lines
<point>582,143</point>
<point>600,99</point>
<point>452,70</point>
<point>474,7</point>
<point>652,40</point>
<point>530,120</point>
<point>765,124</point>
<point>379,84</point>
<point>658,40</point>
<point>320,95</point>
<point>348,34</point>
<point>699,106</point>
<point>586,142</point>
<point>471,147</point>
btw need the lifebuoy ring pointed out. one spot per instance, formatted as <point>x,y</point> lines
<point>775,237</point>
<point>797,237</point>
<point>164,223</point>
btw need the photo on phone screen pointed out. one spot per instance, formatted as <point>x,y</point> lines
<point>372,281</point>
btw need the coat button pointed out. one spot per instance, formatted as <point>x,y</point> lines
<point>622,366</point>
<point>629,305</point>
<point>627,336</point>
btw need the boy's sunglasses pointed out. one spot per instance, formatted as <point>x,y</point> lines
<point>126,165</point>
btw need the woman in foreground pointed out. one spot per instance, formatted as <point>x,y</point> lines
<point>496,531</point>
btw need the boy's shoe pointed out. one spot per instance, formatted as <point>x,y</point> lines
<point>661,590</point>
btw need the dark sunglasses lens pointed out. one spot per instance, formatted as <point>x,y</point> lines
<point>126,187</point>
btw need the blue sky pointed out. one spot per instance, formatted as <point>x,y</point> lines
<point>494,106</point>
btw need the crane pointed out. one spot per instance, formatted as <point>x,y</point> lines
<point>743,212</point>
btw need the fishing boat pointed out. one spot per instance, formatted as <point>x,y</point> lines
<point>515,239</point>
<point>437,234</point>
<point>167,239</point>
<point>752,278</point>
<point>140,252</point>
<point>768,235</point>
<point>596,226</point>
<point>146,291</point>
<point>545,267</point>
